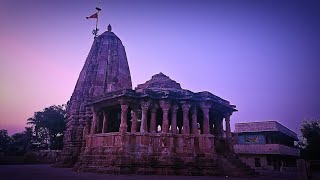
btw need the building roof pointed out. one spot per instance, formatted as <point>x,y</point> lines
<point>265,126</point>
<point>161,86</point>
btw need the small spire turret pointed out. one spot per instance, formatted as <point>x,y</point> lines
<point>109,28</point>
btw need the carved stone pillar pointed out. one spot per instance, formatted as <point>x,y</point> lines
<point>165,106</point>
<point>217,126</point>
<point>211,127</point>
<point>228,132</point>
<point>174,109</point>
<point>205,109</point>
<point>185,110</point>
<point>105,122</point>
<point>134,120</point>
<point>99,127</point>
<point>221,128</point>
<point>153,123</point>
<point>144,108</point>
<point>124,113</point>
<point>228,129</point>
<point>194,128</point>
<point>94,121</point>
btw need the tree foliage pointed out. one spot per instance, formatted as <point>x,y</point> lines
<point>48,126</point>
<point>20,143</point>
<point>17,144</point>
<point>4,140</point>
<point>311,133</point>
<point>46,131</point>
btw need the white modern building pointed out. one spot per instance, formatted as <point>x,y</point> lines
<point>266,145</point>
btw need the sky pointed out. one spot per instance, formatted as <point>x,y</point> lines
<point>262,56</point>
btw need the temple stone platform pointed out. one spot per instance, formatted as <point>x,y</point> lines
<point>144,153</point>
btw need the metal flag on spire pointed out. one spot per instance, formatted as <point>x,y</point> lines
<point>95,16</point>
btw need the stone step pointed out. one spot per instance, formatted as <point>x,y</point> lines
<point>235,167</point>
<point>220,165</point>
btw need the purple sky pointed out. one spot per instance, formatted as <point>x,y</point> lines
<point>263,56</point>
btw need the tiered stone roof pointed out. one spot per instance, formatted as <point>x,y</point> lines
<point>161,86</point>
<point>159,81</point>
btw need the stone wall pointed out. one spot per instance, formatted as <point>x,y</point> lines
<point>143,153</point>
<point>150,143</point>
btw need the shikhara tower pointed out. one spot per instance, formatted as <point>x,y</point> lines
<point>105,70</point>
<point>158,128</point>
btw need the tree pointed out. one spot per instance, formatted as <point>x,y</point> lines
<point>21,142</point>
<point>311,139</point>
<point>4,140</point>
<point>49,126</point>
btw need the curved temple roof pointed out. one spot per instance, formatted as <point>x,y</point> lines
<point>105,70</point>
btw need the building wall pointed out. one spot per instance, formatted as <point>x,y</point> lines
<point>266,149</point>
<point>270,162</point>
<point>250,161</point>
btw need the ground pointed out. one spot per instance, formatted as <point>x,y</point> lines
<point>47,172</point>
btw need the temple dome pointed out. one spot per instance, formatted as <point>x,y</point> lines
<point>159,81</point>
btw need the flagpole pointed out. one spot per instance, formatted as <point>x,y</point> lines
<point>98,11</point>
<point>96,15</point>
<point>96,32</point>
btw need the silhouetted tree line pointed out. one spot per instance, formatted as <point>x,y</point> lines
<point>46,132</point>
<point>310,143</point>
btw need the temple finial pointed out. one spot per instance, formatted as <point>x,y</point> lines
<point>109,28</point>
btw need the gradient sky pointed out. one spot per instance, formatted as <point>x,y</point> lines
<point>263,56</point>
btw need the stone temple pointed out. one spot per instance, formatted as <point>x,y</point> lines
<point>157,128</point>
